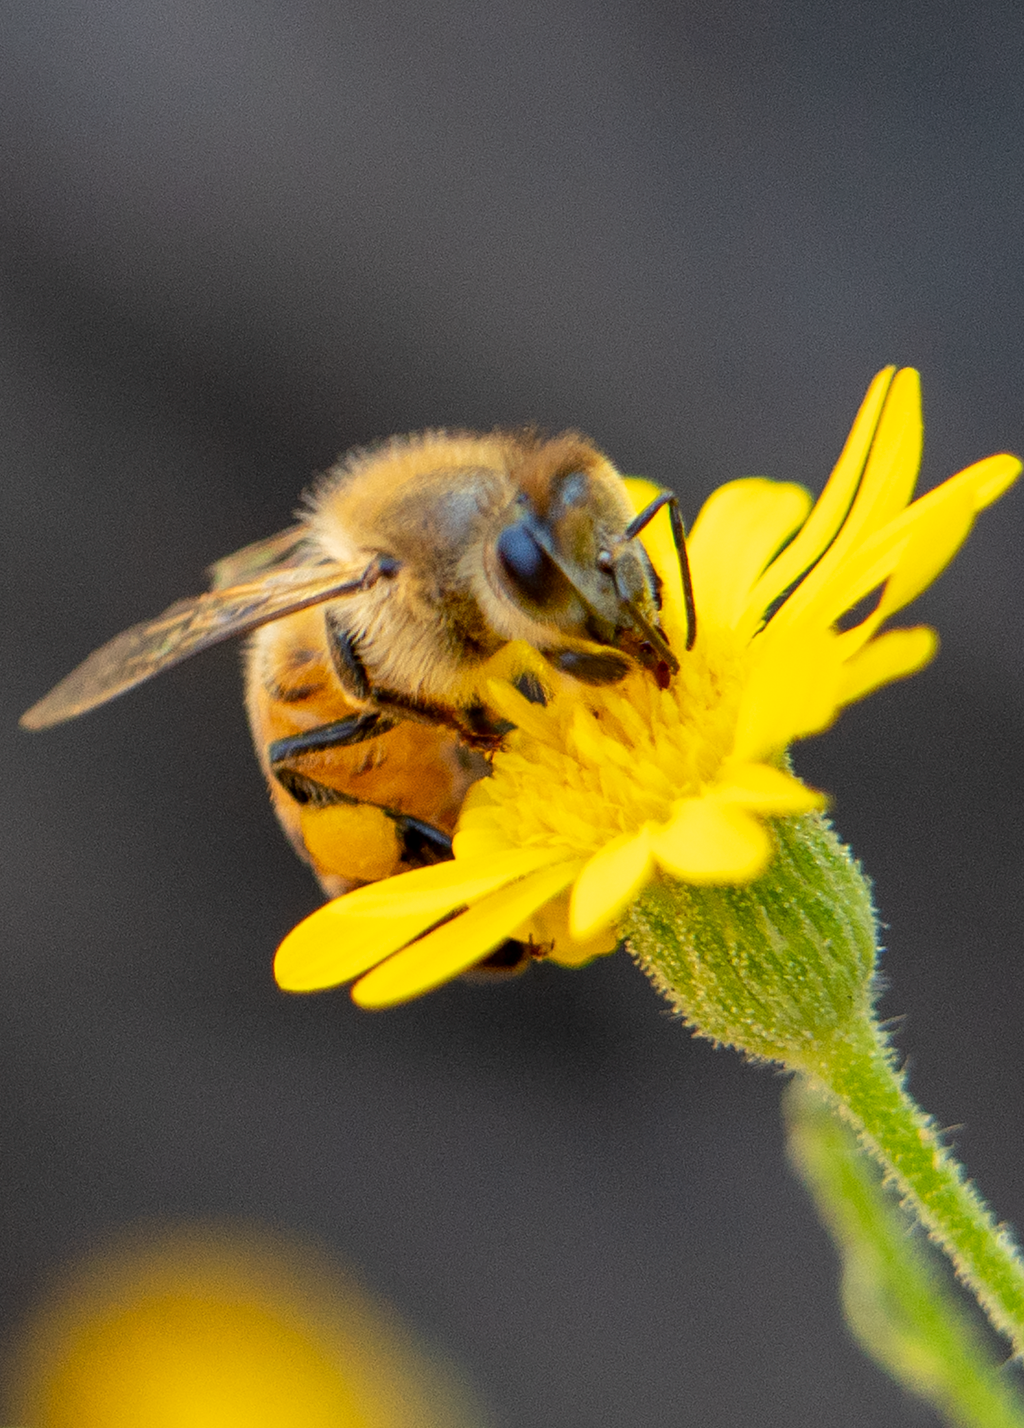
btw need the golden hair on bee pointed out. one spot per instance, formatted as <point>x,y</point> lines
<point>420,568</point>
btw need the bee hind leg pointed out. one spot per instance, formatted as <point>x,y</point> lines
<point>419,844</point>
<point>473,724</point>
<point>342,732</point>
<point>422,843</point>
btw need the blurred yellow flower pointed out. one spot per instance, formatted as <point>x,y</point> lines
<point>601,790</point>
<point>202,1328</point>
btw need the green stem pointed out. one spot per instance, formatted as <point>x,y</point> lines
<point>855,1072</point>
<point>898,1304</point>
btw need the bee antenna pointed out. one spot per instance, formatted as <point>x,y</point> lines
<point>644,518</point>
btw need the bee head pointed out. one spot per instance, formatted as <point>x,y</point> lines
<point>569,558</point>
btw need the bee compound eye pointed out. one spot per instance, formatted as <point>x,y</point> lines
<point>530,569</point>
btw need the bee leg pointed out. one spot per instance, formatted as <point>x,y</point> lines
<point>421,843</point>
<point>507,960</point>
<point>352,730</point>
<point>306,790</point>
<point>421,711</point>
<point>588,667</point>
<point>344,653</point>
<point>479,727</point>
<point>473,725</point>
<point>530,688</point>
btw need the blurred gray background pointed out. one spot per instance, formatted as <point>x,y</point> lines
<point>239,237</point>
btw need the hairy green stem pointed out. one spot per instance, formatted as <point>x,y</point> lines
<point>856,1074</point>
<point>899,1305</point>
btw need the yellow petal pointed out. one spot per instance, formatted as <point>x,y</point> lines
<point>332,946</point>
<point>570,953</point>
<point>832,506</point>
<point>762,788</point>
<point>906,554</point>
<point>887,485</point>
<point>890,473</point>
<point>483,840</point>
<point>641,492</point>
<point>792,691</point>
<point>479,799</point>
<point>740,527</point>
<point>586,739</point>
<point>939,524</point>
<point>459,944</point>
<point>479,833</point>
<point>608,884</point>
<point>891,656</point>
<point>938,532</point>
<point>864,570</point>
<point>992,476</point>
<point>549,927</point>
<point>712,842</point>
<point>506,700</point>
<point>436,890</point>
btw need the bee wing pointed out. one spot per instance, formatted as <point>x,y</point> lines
<point>259,558</point>
<point>187,627</point>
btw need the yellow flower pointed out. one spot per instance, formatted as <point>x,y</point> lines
<point>602,790</point>
<point>208,1327</point>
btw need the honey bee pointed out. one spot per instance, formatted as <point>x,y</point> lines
<point>377,619</point>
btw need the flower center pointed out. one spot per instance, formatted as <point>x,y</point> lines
<point>598,763</point>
